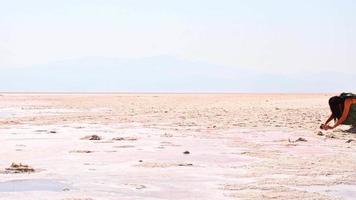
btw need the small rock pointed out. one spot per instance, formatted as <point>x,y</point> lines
<point>185,164</point>
<point>140,187</point>
<point>137,186</point>
<point>81,151</point>
<point>331,136</point>
<point>320,133</point>
<point>91,137</point>
<point>301,140</point>
<point>140,161</point>
<point>53,132</point>
<point>350,140</point>
<point>186,152</point>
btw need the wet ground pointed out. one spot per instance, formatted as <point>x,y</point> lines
<point>150,163</point>
<point>144,163</point>
<point>32,185</point>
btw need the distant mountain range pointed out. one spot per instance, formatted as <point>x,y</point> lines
<point>162,74</point>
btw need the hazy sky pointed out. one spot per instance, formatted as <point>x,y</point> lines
<point>285,39</point>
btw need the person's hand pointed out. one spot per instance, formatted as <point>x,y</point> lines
<point>322,126</point>
<point>325,127</point>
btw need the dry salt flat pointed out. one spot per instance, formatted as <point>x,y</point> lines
<point>172,146</point>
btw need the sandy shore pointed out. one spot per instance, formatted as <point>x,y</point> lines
<point>173,146</point>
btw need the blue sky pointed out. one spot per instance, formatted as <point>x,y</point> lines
<point>257,46</point>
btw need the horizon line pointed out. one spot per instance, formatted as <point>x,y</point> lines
<point>153,92</point>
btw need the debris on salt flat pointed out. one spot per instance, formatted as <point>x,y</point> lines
<point>124,138</point>
<point>19,168</point>
<point>320,133</point>
<point>91,137</point>
<point>350,140</point>
<point>298,140</point>
<point>81,151</point>
<point>332,136</point>
<point>301,140</point>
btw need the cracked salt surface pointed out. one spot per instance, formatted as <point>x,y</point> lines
<point>18,112</point>
<point>346,192</point>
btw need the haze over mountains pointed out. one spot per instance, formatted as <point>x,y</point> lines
<point>162,74</point>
